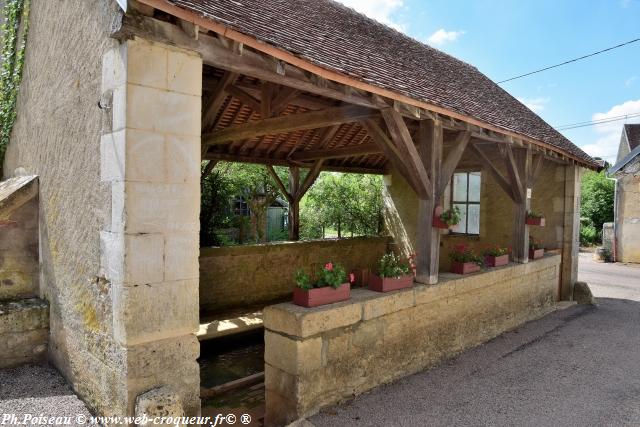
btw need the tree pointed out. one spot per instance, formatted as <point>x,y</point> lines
<point>596,204</point>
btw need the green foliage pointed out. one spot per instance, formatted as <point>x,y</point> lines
<point>463,253</point>
<point>588,235</point>
<point>330,274</point>
<point>303,281</point>
<point>451,216</point>
<point>390,266</point>
<point>229,180</point>
<point>534,215</point>
<point>14,38</point>
<point>495,251</point>
<point>535,244</point>
<point>596,205</point>
<point>349,203</point>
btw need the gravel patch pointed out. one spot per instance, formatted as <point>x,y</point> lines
<point>37,390</point>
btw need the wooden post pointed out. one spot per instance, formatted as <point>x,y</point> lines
<point>519,168</point>
<point>429,146</point>
<point>294,204</point>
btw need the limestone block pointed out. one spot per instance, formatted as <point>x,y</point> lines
<point>293,356</point>
<point>112,256</point>
<point>160,402</point>
<point>114,68</point>
<point>147,63</point>
<point>118,214</point>
<point>304,322</point>
<point>144,258</point>
<point>162,111</point>
<point>23,347</point>
<point>183,159</point>
<point>184,72</point>
<point>181,256</point>
<point>388,303</point>
<point>119,108</point>
<point>112,156</point>
<point>162,208</point>
<point>151,312</point>
<point>145,156</point>
<point>170,361</point>
<point>23,315</point>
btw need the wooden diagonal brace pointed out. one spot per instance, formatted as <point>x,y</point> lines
<point>495,173</point>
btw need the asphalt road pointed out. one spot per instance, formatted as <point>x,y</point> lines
<point>576,367</point>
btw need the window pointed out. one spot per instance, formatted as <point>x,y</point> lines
<point>465,195</point>
<point>240,207</point>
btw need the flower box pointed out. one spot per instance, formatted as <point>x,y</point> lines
<point>319,296</point>
<point>388,284</point>
<point>536,253</point>
<point>464,267</point>
<point>437,222</point>
<point>535,221</point>
<point>496,261</point>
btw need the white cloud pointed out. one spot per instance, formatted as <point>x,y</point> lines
<point>380,10</point>
<point>442,36</point>
<point>606,146</point>
<point>535,104</point>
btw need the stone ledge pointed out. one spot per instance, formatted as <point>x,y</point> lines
<point>24,331</point>
<point>300,322</point>
<point>23,315</point>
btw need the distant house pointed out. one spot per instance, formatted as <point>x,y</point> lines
<point>626,246</point>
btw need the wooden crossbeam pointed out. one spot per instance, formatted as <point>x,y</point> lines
<point>279,183</point>
<point>493,170</point>
<point>290,123</point>
<point>219,95</point>
<point>391,151</point>
<point>285,162</point>
<point>452,160</point>
<point>244,97</point>
<point>310,178</point>
<point>513,172</point>
<point>402,138</point>
<point>337,153</point>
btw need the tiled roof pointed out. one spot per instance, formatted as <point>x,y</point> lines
<point>633,135</point>
<point>337,38</point>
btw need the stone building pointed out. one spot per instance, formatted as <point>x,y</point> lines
<point>117,111</point>
<point>626,227</point>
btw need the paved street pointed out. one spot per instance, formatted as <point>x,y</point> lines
<point>575,367</point>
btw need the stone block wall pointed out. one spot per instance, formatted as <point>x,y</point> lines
<point>628,218</point>
<point>149,248</point>
<point>237,276</point>
<point>19,253</point>
<point>320,356</point>
<point>24,331</point>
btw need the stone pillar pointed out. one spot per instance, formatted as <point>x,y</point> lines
<point>571,231</point>
<point>149,251</point>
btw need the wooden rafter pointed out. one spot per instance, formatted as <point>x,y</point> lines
<point>493,170</point>
<point>245,98</point>
<point>452,160</point>
<point>402,138</point>
<point>289,123</point>
<point>338,152</point>
<point>219,95</point>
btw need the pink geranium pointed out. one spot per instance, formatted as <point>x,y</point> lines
<point>328,266</point>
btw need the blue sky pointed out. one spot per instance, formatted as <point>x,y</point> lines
<point>507,38</point>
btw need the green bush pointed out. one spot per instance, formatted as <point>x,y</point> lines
<point>588,235</point>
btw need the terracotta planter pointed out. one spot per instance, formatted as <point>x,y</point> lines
<point>536,253</point>
<point>388,284</point>
<point>535,221</point>
<point>496,261</point>
<point>437,222</point>
<point>464,267</point>
<point>319,296</point>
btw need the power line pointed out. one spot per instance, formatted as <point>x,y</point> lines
<point>597,122</point>
<point>570,61</point>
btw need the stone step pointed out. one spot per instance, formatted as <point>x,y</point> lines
<point>221,325</point>
<point>24,331</point>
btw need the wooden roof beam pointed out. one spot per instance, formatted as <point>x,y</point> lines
<point>290,123</point>
<point>356,150</point>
